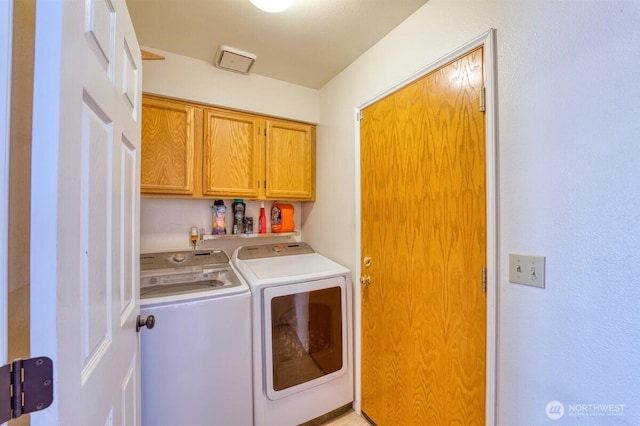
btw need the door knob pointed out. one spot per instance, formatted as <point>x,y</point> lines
<point>148,322</point>
<point>365,280</point>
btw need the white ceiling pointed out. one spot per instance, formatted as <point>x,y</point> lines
<point>308,44</point>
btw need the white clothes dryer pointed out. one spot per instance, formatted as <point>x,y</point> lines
<point>302,338</point>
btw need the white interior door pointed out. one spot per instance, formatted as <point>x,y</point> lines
<point>85,208</point>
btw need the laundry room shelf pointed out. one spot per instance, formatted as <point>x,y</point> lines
<point>267,235</point>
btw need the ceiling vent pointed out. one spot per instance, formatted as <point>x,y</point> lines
<point>235,60</point>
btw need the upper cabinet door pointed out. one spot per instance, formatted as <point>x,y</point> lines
<point>191,150</point>
<point>170,133</point>
<point>231,154</point>
<point>290,161</point>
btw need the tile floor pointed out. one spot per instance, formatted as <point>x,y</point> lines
<point>350,418</point>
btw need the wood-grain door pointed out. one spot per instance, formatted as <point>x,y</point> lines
<point>424,241</point>
<point>290,161</point>
<point>232,154</point>
<point>171,138</point>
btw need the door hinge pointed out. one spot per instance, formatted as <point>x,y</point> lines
<point>484,279</point>
<point>360,116</point>
<point>483,100</point>
<point>26,385</point>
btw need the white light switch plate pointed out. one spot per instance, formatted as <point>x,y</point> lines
<point>526,269</point>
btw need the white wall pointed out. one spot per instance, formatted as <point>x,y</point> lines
<point>186,78</point>
<point>165,223</point>
<point>569,172</point>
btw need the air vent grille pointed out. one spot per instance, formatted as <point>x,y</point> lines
<point>234,60</point>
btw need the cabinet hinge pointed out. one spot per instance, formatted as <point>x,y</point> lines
<point>484,279</point>
<point>483,100</point>
<point>26,385</point>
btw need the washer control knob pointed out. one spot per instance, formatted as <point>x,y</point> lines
<point>179,258</point>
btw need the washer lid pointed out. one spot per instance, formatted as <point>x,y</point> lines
<point>287,269</point>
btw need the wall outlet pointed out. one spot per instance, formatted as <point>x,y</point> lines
<point>526,269</point>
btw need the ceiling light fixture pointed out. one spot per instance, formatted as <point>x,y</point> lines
<point>272,6</point>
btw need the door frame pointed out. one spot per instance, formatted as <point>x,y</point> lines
<point>6,37</point>
<point>487,41</point>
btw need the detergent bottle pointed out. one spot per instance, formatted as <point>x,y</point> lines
<point>282,218</point>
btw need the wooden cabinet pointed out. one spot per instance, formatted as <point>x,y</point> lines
<point>232,154</point>
<point>290,161</point>
<point>193,150</point>
<point>171,135</point>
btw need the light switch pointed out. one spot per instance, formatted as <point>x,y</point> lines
<point>526,269</point>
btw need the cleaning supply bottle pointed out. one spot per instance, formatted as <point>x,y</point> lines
<point>219,212</point>
<point>262,227</point>
<point>282,218</point>
<point>238,216</point>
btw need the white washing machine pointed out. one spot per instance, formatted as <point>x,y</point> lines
<point>196,360</point>
<point>302,338</point>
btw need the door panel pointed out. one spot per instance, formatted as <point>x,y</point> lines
<point>85,208</point>
<point>424,228</point>
<point>94,232</point>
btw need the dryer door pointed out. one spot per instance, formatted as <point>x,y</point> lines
<point>305,335</point>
